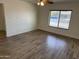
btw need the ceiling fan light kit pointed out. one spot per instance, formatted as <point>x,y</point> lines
<point>40,3</point>
<point>44,2</point>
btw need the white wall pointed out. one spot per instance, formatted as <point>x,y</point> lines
<point>20,16</point>
<point>74,24</point>
<point>2,18</point>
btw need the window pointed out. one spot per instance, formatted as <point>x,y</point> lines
<point>60,19</point>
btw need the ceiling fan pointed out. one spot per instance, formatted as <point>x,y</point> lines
<point>44,2</point>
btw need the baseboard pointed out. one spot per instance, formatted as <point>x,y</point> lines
<point>21,33</point>
<point>58,34</point>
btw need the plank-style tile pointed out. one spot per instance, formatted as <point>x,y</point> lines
<point>39,45</point>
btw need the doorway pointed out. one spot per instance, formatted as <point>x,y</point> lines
<point>2,22</point>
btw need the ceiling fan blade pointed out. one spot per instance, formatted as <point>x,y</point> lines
<point>41,0</point>
<point>50,2</point>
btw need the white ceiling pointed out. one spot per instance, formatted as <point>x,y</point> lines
<point>65,0</point>
<point>55,1</point>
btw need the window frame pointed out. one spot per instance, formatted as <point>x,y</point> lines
<point>59,19</point>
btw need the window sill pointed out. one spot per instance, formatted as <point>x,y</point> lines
<point>58,28</point>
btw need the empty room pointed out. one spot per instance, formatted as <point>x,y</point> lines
<point>39,29</point>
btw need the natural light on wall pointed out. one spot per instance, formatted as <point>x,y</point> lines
<point>60,19</point>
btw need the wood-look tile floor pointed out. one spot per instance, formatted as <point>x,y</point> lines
<point>39,45</point>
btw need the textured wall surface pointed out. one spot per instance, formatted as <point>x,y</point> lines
<point>74,24</point>
<point>20,16</point>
